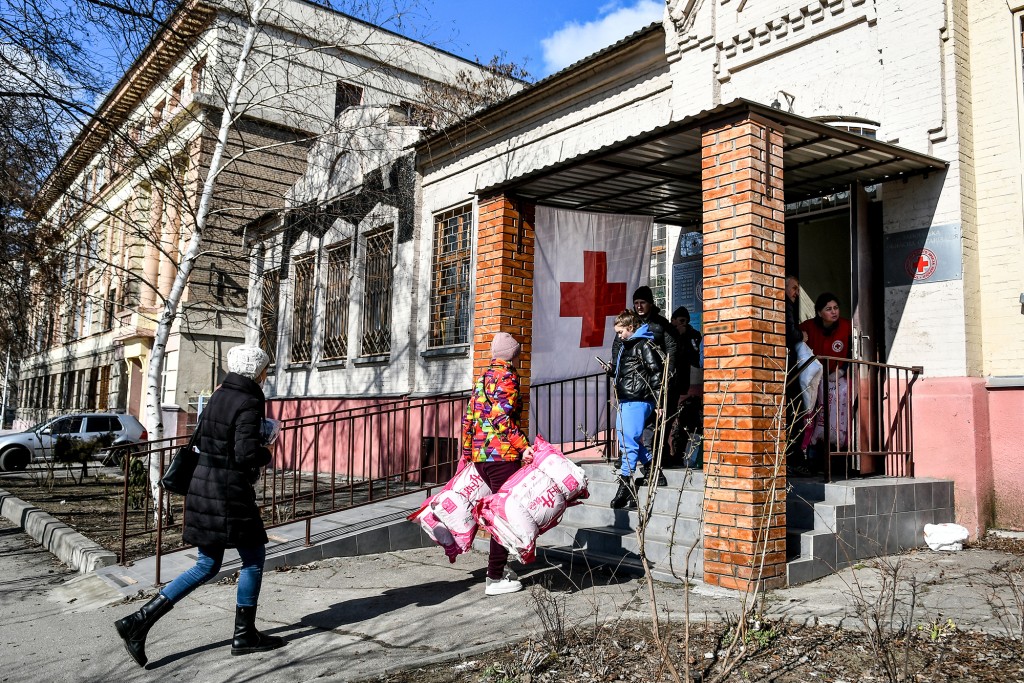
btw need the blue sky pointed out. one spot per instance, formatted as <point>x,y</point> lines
<point>545,34</point>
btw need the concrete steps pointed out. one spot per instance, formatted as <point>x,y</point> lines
<point>592,534</point>
<point>833,526</point>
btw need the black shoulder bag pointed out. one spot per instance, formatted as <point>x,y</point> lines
<point>178,474</point>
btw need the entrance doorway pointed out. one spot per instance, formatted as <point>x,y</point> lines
<point>838,249</point>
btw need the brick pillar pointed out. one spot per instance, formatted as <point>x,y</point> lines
<point>745,353</point>
<point>504,282</point>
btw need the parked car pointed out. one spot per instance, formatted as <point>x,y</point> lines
<point>17,450</point>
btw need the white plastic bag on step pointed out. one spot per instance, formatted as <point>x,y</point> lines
<point>947,536</point>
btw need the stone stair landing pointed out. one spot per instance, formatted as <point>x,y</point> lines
<point>595,535</point>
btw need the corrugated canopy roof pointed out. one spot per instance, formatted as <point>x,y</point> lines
<point>659,173</point>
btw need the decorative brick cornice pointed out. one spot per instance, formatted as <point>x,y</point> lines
<point>759,40</point>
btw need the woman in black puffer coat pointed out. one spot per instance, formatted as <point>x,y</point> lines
<point>221,510</point>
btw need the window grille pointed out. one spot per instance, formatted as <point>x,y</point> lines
<point>659,258</point>
<point>377,295</point>
<point>450,304</point>
<point>103,396</point>
<point>302,320</point>
<point>270,295</point>
<point>339,264</point>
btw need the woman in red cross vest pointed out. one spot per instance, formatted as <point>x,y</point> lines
<point>829,334</point>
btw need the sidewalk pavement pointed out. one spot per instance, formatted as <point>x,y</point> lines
<point>354,618</point>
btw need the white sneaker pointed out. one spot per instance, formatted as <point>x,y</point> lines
<point>502,586</point>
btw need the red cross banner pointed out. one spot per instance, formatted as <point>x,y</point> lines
<point>586,267</point>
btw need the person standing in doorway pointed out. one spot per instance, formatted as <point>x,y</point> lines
<point>828,334</point>
<point>794,405</point>
<point>637,370</point>
<point>794,335</point>
<point>690,408</point>
<point>492,439</point>
<point>221,510</point>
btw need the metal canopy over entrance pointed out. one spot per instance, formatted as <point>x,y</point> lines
<point>659,173</point>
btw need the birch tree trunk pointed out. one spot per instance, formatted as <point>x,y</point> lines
<point>169,312</point>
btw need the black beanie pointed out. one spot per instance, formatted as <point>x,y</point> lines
<point>644,293</point>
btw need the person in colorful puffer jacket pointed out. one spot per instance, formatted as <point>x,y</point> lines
<point>492,439</point>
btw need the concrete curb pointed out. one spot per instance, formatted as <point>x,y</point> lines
<point>69,546</point>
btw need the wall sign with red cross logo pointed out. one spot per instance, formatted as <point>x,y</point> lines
<point>923,256</point>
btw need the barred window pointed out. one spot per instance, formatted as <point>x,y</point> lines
<point>103,396</point>
<point>450,304</point>
<point>271,293</point>
<point>339,264</point>
<point>302,320</point>
<point>659,259</point>
<point>377,295</point>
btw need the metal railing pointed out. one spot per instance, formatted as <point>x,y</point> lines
<point>575,414</point>
<point>321,464</point>
<point>865,420</point>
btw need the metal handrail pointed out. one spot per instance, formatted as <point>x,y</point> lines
<point>876,416</point>
<point>351,458</point>
<point>586,423</point>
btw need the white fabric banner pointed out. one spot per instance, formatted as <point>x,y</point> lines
<point>586,267</point>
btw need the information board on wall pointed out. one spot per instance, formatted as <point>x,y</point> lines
<point>687,277</point>
<point>923,256</point>
<point>688,290</point>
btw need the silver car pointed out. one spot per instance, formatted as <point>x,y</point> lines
<point>17,450</point>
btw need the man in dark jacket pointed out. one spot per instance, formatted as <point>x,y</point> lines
<point>221,511</point>
<point>667,339</point>
<point>637,369</point>
<point>793,333</point>
<point>794,407</point>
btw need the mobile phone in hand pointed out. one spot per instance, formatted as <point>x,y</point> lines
<point>605,364</point>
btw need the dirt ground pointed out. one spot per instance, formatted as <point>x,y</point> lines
<point>776,652</point>
<point>93,507</point>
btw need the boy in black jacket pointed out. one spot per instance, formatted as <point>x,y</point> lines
<point>637,369</point>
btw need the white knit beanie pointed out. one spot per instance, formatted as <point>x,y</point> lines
<point>504,346</point>
<point>247,361</point>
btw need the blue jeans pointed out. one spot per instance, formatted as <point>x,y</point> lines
<point>630,427</point>
<point>250,577</point>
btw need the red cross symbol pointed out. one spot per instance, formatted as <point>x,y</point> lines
<point>594,299</point>
<point>921,264</point>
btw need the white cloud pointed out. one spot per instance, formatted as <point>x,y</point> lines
<point>575,41</point>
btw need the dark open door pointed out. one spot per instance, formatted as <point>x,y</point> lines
<point>866,288</point>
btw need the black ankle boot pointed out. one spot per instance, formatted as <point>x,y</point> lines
<point>247,639</point>
<point>645,479</point>
<point>134,627</point>
<point>624,497</point>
